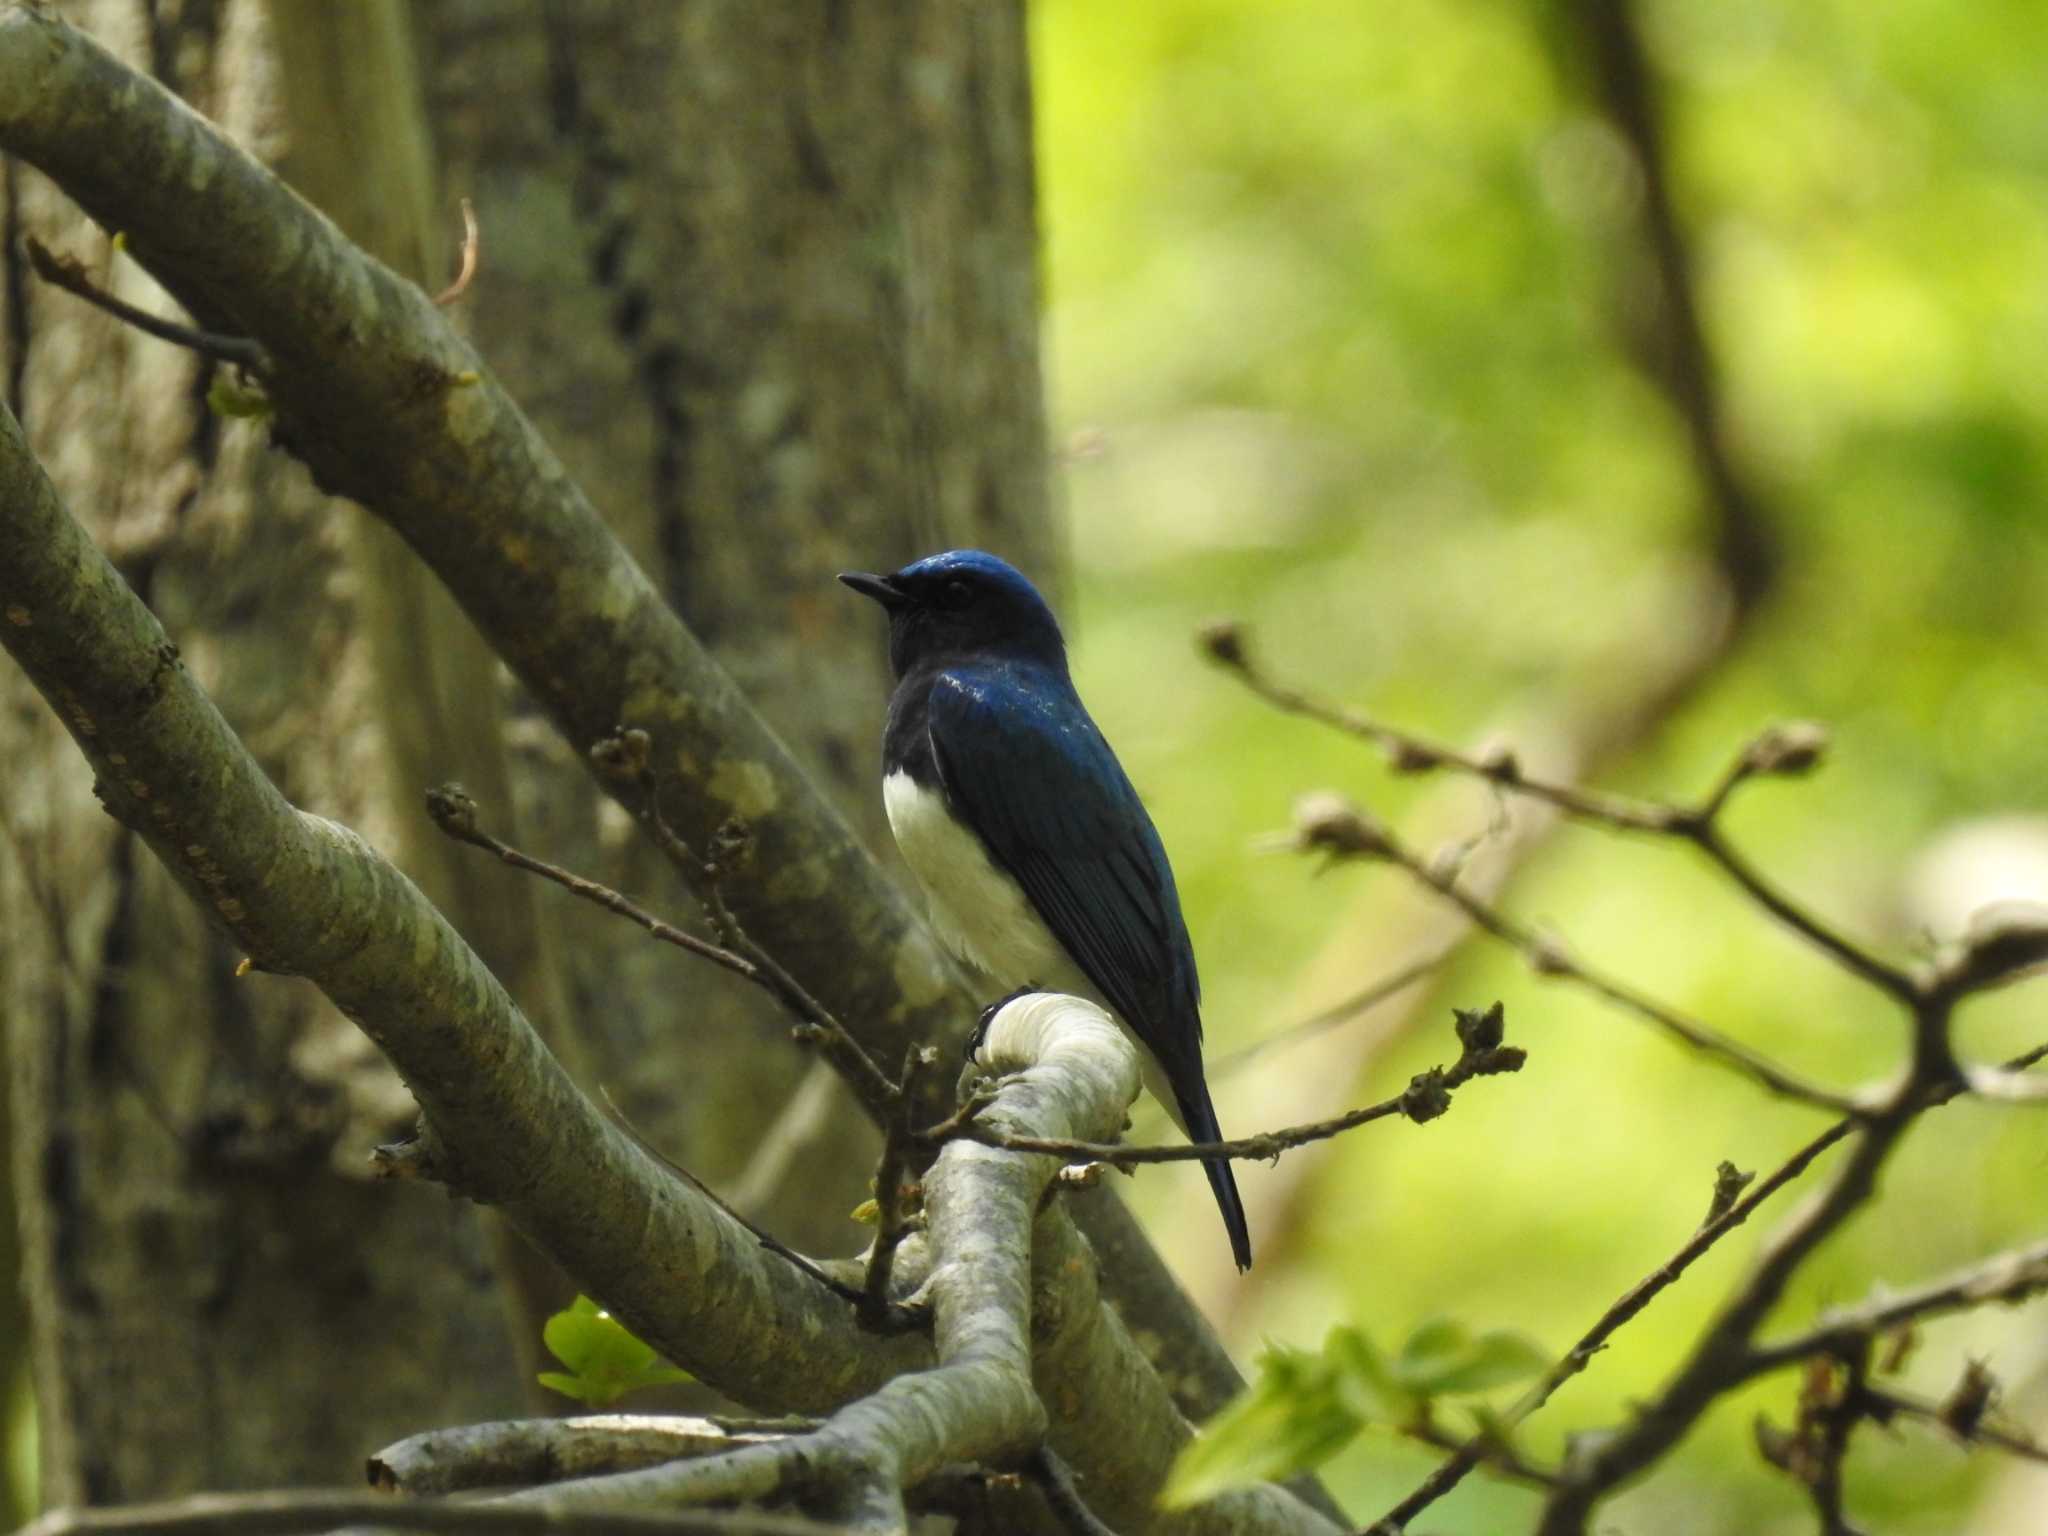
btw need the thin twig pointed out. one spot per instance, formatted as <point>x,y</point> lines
<point>1426,1097</point>
<point>455,813</point>
<point>69,274</point>
<point>1884,1404</point>
<point>1475,1450</point>
<point>892,1221</point>
<point>1329,825</point>
<point>1055,1479</point>
<point>1643,1292</point>
<point>1708,838</point>
<point>471,246</point>
<point>2016,1275</point>
<point>1360,1002</point>
<point>761,1235</point>
<point>1500,1456</point>
<point>628,754</point>
<point>1776,752</point>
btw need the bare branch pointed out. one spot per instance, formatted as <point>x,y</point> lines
<point>1884,1404</point>
<point>1426,1097</point>
<point>69,274</point>
<point>893,1222</point>
<point>525,1451</point>
<point>1474,1451</point>
<point>455,813</point>
<point>1778,751</point>
<point>451,809</point>
<point>761,1234</point>
<point>2014,1276</point>
<point>1328,824</point>
<point>1362,1001</point>
<point>313,1510</point>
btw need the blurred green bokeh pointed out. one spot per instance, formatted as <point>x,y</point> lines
<point>1338,306</point>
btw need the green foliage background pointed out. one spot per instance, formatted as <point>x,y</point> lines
<point>1337,303</point>
<point>1337,294</point>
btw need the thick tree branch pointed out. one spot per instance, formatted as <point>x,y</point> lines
<point>521,1452</point>
<point>505,1124</point>
<point>1006,1286</point>
<point>308,898</point>
<point>386,403</point>
<point>318,1509</point>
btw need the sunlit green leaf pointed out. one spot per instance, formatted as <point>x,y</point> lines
<point>605,1361</point>
<point>1442,1358</point>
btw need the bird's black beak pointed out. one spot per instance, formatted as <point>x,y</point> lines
<point>880,588</point>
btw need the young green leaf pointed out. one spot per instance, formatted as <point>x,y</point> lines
<point>1442,1359</point>
<point>604,1360</point>
<point>1298,1414</point>
<point>1362,1380</point>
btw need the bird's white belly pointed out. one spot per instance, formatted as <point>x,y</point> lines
<point>977,911</point>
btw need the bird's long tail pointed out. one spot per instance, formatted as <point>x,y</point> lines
<point>1199,1116</point>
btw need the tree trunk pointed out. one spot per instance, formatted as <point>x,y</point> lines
<point>767,280</point>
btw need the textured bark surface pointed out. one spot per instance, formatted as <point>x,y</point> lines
<point>220,1297</point>
<point>769,284</point>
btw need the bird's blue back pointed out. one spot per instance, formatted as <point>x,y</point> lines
<point>1014,751</point>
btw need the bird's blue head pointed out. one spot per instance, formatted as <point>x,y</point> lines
<point>964,602</point>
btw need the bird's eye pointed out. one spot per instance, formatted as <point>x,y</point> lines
<point>957,594</point>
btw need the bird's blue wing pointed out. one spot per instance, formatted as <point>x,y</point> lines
<point>1024,766</point>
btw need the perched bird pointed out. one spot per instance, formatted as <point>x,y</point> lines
<point>1038,861</point>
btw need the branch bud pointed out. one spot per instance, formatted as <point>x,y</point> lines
<point>1223,642</point>
<point>1965,1406</point>
<point>1404,756</point>
<point>1426,1097</point>
<point>1479,1031</point>
<point>2001,940</point>
<point>1787,750</point>
<point>1326,822</point>
<point>451,809</point>
<point>624,754</point>
<point>1729,1183</point>
<point>1549,957</point>
<point>1497,760</point>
